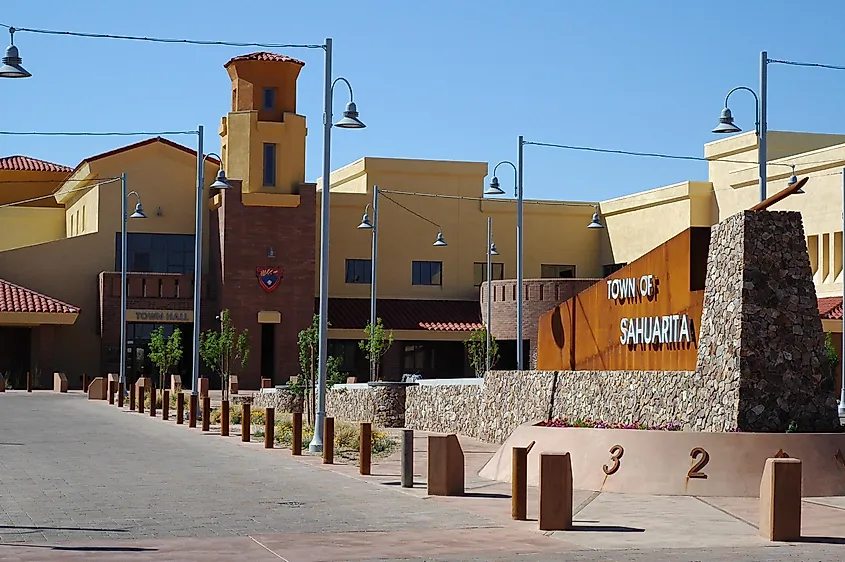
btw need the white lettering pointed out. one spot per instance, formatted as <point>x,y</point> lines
<point>673,328</point>
<point>664,331</point>
<point>656,336</point>
<point>609,283</point>
<point>684,328</point>
<point>614,289</point>
<point>623,326</point>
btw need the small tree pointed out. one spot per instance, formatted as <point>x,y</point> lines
<point>377,343</point>
<point>305,384</point>
<point>832,362</point>
<point>476,347</point>
<point>165,352</point>
<point>222,349</point>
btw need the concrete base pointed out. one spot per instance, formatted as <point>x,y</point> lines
<point>233,384</point>
<point>203,386</point>
<point>780,500</point>
<point>676,463</point>
<point>175,384</point>
<point>98,389</point>
<point>59,383</point>
<point>445,466</point>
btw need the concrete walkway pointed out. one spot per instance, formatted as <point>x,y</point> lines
<point>80,480</point>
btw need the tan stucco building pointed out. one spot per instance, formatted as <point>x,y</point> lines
<point>61,243</point>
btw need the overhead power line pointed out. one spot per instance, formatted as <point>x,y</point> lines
<point>96,133</point>
<point>161,39</point>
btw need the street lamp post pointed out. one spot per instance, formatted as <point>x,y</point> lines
<point>219,183</point>
<point>842,351</point>
<point>494,189</point>
<point>367,224</point>
<point>350,121</point>
<point>138,214</point>
<point>491,251</point>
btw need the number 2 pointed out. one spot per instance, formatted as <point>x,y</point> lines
<point>694,472</point>
<point>616,453</point>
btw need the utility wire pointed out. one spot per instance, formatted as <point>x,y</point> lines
<point>466,198</point>
<point>96,134</point>
<point>79,188</point>
<point>59,181</point>
<point>163,40</point>
<point>381,192</point>
<point>808,64</point>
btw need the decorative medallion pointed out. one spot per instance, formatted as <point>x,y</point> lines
<point>269,277</point>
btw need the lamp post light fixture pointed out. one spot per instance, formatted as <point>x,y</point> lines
<point>596,220</point>
<point>138,214</point>
<point>350,120</point>
<point>491,251</point>
<point>372,225</point>
<point>12,61</point>
<point>219,183</point>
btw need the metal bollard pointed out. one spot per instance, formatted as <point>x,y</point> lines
<point>269,421</point>
<point>112,390</point>
<point>328,441</point>
<point>555,492</point>
<point>132,397</point>
<point>519,483</point>
<point>141,396</point>
<point>153,402</point>
<point>224,418</point>
<point>246,423</point>
<point>120,392</point>
<point>84,383</point>
<point>165,405</point>
<point>192,410</point>
<point>180,408</point>
<point>296,441</point>
<point>28,381</point>
<point>365,448</point>
<point>407,458</point>
<point>206,413</point>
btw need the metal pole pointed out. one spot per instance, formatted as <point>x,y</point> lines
<point>762,153</point>
<point>519,358</point>
<point>842,351</point>
<point>374,276</point>
<point>316,445</point>
<point>198,265</point>
<point>123,276</point>
<point>489,285</point>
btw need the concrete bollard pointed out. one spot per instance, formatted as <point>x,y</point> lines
<point>141,396</point>
<point>328,441</point>
<point>28,381</point>
<point>246,423</point>
<point>206,413</point>
<point>153,401</point>
<point>132,397</point>
<point>266,383</point>
<point>269,425</point>
<point>175,384</point>
<point>407,458</point>
<point>180,408</point>
<point>555,492</point>
<point>445,466</point>
<point>365,448</point>
<point>233,384</point>
<point>224,418</point>
<point>60,383</point>
<point>165,405</point>
<point>192,410</point>
<point>519,483</point>
<point>296,440</point>
<point>780,500</point>
<point>203,386</point>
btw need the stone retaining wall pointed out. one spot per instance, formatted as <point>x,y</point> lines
<point>280,399</point>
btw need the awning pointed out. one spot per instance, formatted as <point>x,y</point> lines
<point>20,306</point>
<point>406,314</point>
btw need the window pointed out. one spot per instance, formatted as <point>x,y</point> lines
<point>269,164</point>
<point>417,358</point>
<point>269,98</point>
<point>427,273</point>
<point>481,272</point>
<point>359,271</point>
<point>157,253</point>
<point>83,218</point>
<point>348,352</point>
<point>557,271</point>
<point>612,268</point>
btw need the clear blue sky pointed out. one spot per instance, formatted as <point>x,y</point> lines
<point>456,80</point>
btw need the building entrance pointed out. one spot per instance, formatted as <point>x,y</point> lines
<point>138,362</point>
<point>268,352</point>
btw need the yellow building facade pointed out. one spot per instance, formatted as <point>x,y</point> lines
<point>62,240</point>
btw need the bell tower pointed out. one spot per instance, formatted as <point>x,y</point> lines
<point>263,138</point>
<point>263,230</point>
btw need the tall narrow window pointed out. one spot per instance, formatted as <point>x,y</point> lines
<point>269,98</point>
<point>83,218</point>
<point>269,164</point>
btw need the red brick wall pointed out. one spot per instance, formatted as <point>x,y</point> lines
<point>242,236</point>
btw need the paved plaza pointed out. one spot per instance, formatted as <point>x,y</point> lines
<point>80,480</point>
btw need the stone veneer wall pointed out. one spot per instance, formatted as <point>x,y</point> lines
<point>380,403</point>
<point>761,336</point>
<point>280,399</point>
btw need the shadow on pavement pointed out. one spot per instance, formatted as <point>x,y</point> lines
<point>822,540</point>
<point>84,548</point>
<point>607,528</point>
<point>39,528</point>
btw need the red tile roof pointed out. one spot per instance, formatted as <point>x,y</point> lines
<point>406,314</point>
<point>29,164</point>
<point>265,56</point>
<point>14,298</point>
<point>830,308</point>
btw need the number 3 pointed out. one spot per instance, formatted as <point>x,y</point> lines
<point>699,464</point>
<point>616,453</point>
